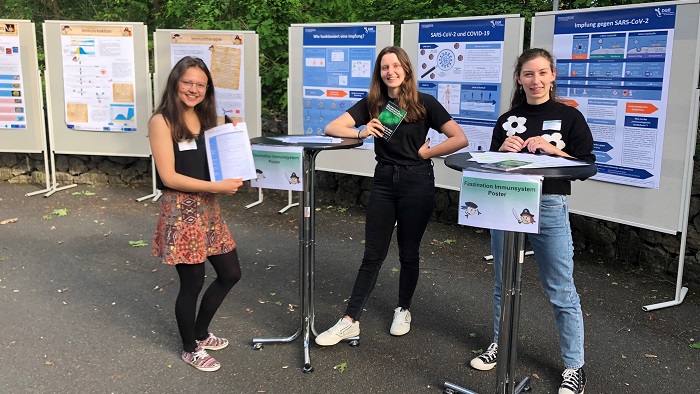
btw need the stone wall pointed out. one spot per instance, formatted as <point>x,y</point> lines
<point>611,243</point>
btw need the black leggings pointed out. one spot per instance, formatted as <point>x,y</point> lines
<point>228,273</point>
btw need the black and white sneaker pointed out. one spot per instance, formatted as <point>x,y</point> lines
<point>486,360</point>
<point>574,381</point>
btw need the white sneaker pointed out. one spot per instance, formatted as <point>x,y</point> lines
<point>402,322</point>
<point>486,360</point>
<point>343,329</point>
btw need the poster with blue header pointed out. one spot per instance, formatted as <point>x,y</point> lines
<point>614,66</point>
<point>460,63</point>
<point>338,65</point>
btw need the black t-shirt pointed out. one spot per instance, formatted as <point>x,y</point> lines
<point>562,125</point>
<point>188,161</point>
<point>402,147</point>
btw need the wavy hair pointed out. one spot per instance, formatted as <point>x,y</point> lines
<point>519,97</point>
<point>171,107</point>
<point>408,93</point>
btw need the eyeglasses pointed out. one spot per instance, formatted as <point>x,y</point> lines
<point>188,85</point>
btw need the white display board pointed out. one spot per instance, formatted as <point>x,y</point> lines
<point>98,87</point>
<point>330,67</point>
<point>21,102</point>
<point>633,72</point>
<point>467,65</point>
<point>233,60</point>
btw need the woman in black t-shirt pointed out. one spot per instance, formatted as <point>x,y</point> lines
<point>403,188</point>
<point>190,228</point>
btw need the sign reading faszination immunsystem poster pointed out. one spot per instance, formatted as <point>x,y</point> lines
<point>99,77</point>
<point>614,66</point>
<point>460,64</point>
<point>338,65</point>
<point>12,105</point>
<point>223,54</point>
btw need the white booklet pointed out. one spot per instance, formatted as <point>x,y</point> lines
<point>229,153</point>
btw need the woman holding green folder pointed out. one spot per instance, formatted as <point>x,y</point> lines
<point>403,189</point>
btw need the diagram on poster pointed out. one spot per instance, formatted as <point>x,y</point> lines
<point>338,65</point>
<point>99,77</point>
<point>460,64</point>
<point>12,105</point>
<point>223,54</point>
<point>614,66</point>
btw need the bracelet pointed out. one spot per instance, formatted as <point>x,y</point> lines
<point>358,134</point>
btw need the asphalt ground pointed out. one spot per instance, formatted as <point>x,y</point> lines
<point>86,310</point>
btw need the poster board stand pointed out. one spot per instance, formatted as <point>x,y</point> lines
<point>22,120</point>
<point>47,174</point>
<point>641,190</point>
<point>94,102</point>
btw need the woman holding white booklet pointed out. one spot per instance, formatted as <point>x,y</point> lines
<point>190,228</point>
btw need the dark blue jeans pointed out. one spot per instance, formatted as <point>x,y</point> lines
<point>404,195</point>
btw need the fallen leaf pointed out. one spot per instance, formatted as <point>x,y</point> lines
<point>8,221</point>
<point>60,212</point>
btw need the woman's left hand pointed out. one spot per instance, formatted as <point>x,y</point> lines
<point>541,145</point>
<point>423,150</point>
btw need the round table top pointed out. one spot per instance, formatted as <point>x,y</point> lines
<point>460,161</point>
<point>308,142</point>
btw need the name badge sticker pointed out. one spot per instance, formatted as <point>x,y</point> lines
<point>551,125</point>
<point>187,145</point>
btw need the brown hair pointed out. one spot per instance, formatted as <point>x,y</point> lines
<point>519,97</point>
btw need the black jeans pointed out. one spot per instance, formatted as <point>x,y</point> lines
<point>404,195</point>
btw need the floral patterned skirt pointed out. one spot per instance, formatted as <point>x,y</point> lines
<point>190,228</point>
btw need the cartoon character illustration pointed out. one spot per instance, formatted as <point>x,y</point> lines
<point>259,175</point>
<point>294,179</point>
<point>470,209</point>
<point>525,217</point>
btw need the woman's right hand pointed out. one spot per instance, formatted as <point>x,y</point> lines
<point>373,128</point>
<point>512,144</point>
<point>229,186</point>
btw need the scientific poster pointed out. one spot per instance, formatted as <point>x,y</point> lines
<point>338,65</point>
<point>460,64</point>
<point>98,77</point>
<point>223,54</point>
<point>12,99</point>
<point>614,66</point>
